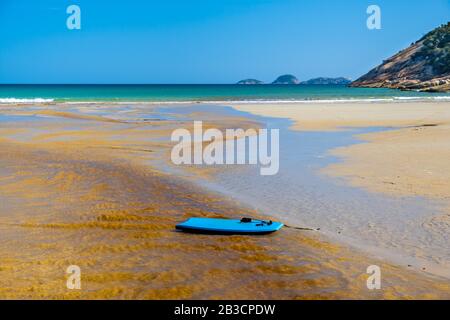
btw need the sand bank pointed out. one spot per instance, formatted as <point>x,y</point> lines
<point>412,159</point>
<point>335,116</point>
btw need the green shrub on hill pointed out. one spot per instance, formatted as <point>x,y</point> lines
<point>436,49</point>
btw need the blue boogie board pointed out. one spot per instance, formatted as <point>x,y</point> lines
<point>229,226</point>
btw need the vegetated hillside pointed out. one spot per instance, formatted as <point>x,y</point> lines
<point>250,81</point>
<point>286,79</point>
<point>328,81</point>
<point>424,66</point>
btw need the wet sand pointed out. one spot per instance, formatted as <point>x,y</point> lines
<point>76,188</point>
<point>409,158</point>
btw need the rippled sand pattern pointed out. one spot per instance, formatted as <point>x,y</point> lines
<point>79,191</point>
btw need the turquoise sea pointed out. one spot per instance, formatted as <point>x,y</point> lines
<point>190,93</point>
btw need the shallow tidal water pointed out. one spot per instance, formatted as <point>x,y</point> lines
<point>300,195</point>
<point>79,190</point>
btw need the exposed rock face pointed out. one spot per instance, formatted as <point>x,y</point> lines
<point>250,81</point>
<point>328,81</point>
<point>286,79</point>
<point>424,66</point>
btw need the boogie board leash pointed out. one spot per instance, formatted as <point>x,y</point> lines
<point>301,228</point>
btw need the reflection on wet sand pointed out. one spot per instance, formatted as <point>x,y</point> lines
<point>78,190</point>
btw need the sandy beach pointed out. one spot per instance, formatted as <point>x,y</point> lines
<point>78,186</point>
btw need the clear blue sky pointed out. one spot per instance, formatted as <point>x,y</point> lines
<point>204,41</point>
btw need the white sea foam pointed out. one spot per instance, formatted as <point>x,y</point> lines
<point>267,101</point>
<point>26,101</point>
<point>227,101</point>
<point>342,100</point>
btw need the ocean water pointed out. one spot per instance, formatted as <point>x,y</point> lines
<point>191,93</point>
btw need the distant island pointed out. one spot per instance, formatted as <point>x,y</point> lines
<point>328,81</point>
<point>423,66</point>
<point>290,79</point>
<point>286,79</point>
<point>250,81</point>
